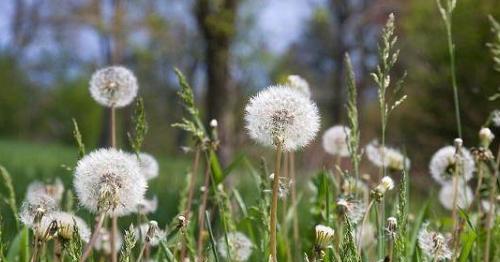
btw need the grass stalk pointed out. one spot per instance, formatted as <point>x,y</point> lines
<point>93,238</point>
<point>491,212</point>
<point>201,213</point>
<point>296,232</point>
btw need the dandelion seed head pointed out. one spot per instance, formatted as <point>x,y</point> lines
<point>240,247</point>
<point>392,225</point>
<point>495,118</point>
<point>324,236</point>
<point>37,188</point>
<point>148,206</point>
<point>66,224</point>
<point>387,157</point>
<point>150,232</point>
<point>300,84</point>
<point>103,241</point>
<point>34,207</point>
<point>464,196</point>
<point>282,115</point>
<point>335,141</point>
<point>351,185</point>
<point>113,86</point>
<point>354,209</point>
<point>365,236</point>
<point>486,136</point>
<point>433,244</point>
<point>443,164</point>
<point>110,181</point>
<point>148,165</point>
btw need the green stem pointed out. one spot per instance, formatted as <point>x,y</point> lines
<point>274,204</point>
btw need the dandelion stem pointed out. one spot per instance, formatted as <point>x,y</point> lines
<point>274,204</point>
<point>58,249</point>
<point>296,233</point>
<point>365,219</point>
<point>143,250</point>
<point>451,49</point>
<point>201,213</point>
<point>93,238</point>
<point>491,211</point>
<point>192,183</point>
<point>114,218</point>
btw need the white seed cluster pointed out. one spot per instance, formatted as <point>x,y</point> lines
<point>282,115</point>
<point>65,225</point>
<point>110,181</point>
<point>240,247</point>
<point>444,162</point>
<point>151,233</point>
<point>103,241</point>
<point>464,196</point>
<point>148,206</point>
<point>300,84</point>
<point>148,165</point>
<point>365,235</point>
<point>387,157</point>
<point>433,244</point>
<point>113,86</point>
<point>353,208</point>
<point>324,236</point>
<point>37,189</point>
<point>335,141</point>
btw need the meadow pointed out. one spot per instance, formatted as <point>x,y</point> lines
<point>79,203</point>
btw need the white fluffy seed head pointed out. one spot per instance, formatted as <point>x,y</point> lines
<point>148,165</point>
<point>365,235</point>
<point>150,232</point>
<point>324,236</point>
<point>65,225</point>
<point>464,196</point>
<point>148,206</point>
<point>486,136</point>
<point>335,141</point>
<point>240,247</point>
<point>443,165</point>
<point>113,86</point>
<point>54,191</point>
<point>282,115</point>
<point>103,241</point>
<point>387,157</point>
<point>300,84</point>
<point>433,244</point>
<point>495,118</point>
<point>354,209</point>
<point>110,181</point>
<point>34,208</point>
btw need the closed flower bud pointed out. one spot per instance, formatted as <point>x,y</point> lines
<point>486,136</point>
<point>324,236</point>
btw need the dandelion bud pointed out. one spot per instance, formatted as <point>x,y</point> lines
<point>458,142</point>
<point>392,225</point>
<point>486,136</point>
<point>385,184</point>
<point>213,123</point>
<point>324,236</point>
<point>182,221</point>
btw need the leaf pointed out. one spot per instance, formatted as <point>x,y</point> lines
<point>416,228</point>
<point>468,241</point>
<point>216,168</point>
<point>19,249</point>
<point>234,164</point>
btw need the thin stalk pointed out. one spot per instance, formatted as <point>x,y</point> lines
<point>143,250</point>
<point>93,238</point>
<point>491,211</point>
<point>274,204</point>
<point>201,213</point>
<point>114,218</point>
<point>192,183</point>
<point>451,50</point>
<point>296,233</point>
<point>365,218</point>
<point>391,249</point>
<point>285,206</point>
<point>58,250</point>
<point>454,202</point>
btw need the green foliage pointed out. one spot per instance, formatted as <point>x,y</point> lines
<point>349,251</point>
<point>401,243</point>
<point>19,248</point>
<point>10,199</point>
<point>130,240</point>
<point>78,139</point>
<point>74,247</point>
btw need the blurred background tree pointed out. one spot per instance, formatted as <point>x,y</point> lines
<point>228,49</point>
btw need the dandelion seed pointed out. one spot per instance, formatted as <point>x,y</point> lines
<point>433,244</point>
<point>113,86</point>
<point>148,206</point>
<point>65,225</point>
<point>35,208</point>
<point>150,233</point>
<point>387,157</point>
<point>443,164</point>
<point>335,141</point>
<point>353,208</point>
<point>300,84</point>
<point>110,181</point>
<point>103,241</point>
<point>365,236</point>
<point>464,196</point>
<point>148,165</point>
<point>282,115</point>
<point>240,247</point>
<point>324,236</point>
<point>54,191</point>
